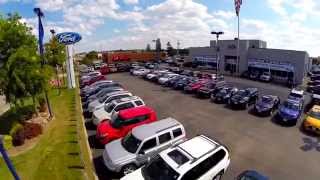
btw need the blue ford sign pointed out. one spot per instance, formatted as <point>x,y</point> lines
<point>68,38</point>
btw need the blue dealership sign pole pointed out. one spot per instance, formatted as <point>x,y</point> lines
<point>7,160</point>
<point>40,14</point>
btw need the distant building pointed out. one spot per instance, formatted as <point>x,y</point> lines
<point>130,56</point>
<point>254,56</point>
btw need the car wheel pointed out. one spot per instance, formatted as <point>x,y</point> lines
<point>217,177</point>
<point>128,169</point>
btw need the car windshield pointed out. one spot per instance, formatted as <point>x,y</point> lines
<point>291,105</point>
<point>315,114</point>
<point>266,73</point>
<point>266,99</point>
<point>103,98</point>
<point>243,93</point>
<point>295,95</point>
<point>109,107</point>
<point>131,143</point>
<point>158,169</point>
<point>115,121</point>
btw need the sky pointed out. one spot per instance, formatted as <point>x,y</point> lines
<point>132,24</point>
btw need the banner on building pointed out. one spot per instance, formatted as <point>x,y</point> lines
<point>272,65</point>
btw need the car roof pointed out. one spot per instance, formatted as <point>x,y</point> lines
<point>251,89</point>
<point>148,130</point>
<point>294,101</point>
<point>136,111</point>
<point>297,91</point>
<point>316,108</point>
<point>193,149</point>
<point>198,146</point>
<point>126,99</point>
<point>116,93</point>
<point>270,96</point>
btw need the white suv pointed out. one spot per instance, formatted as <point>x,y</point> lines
<point>116,106</point>
<point>199,158</point>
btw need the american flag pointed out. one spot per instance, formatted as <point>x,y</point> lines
<point>237,4</point>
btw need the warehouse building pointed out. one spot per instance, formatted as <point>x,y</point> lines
<point>254,57</point>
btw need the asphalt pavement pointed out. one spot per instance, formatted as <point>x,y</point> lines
<point>282,153</point>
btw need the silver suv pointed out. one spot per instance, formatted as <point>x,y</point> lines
<point>138,147</point>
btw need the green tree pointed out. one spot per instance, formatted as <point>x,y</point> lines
<point>90,57</point>
<point>20,72</point>
<point>55,53</point>
<point>170,50</point>
<point>148,48</point>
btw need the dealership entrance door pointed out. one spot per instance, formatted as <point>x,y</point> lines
<point>230,64</point>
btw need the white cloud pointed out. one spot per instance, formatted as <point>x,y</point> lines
<point>137,8</point>
<point>186,20</point>
<point>131,1</point>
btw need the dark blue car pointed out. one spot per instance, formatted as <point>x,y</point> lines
<point>290,111</point>
<point>266,105</point>
<point>251,175</point>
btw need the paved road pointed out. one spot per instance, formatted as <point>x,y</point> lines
<point>283,153</point>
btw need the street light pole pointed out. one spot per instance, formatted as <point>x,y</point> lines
<point>217,48</point>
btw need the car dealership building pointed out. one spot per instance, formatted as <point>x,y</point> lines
<point>254,57</point>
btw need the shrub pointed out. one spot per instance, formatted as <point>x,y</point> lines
<point>7,142</point>
<point>26,112</point>
<point>32,130</point>
<point>18,137</point>
<point>15,128</point>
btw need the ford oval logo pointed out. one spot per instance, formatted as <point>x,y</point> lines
<point>68,38</point>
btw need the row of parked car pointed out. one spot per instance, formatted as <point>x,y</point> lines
<point>214,87</point>
<point>140,146</point>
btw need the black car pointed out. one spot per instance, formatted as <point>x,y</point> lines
<point>223,95</point>
<point>244,97</point>
<point>172,81</point>
<point>254,75</point>
<point>266,105</point>
<point>99,94</point>
<point>187,73</point>
<point>314,89</point>
<point>86,95</point>
<point>211,87</point>
<point>179,85</point>
<point>313,83</point>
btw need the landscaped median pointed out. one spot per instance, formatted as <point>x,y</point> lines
<point>61,151</point>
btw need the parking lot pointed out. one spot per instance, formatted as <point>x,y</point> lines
<point>255,142</point>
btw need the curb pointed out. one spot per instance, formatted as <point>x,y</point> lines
<point>86,136</point>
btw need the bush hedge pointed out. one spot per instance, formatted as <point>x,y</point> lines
<point>7,142</point>
<point>32,130</point>
<point>18,137</point>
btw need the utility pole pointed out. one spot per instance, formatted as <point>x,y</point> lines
<point>178,46</point>
<point>217,48</point>
<point>40,14</point>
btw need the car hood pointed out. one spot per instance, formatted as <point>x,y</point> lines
<point>116,153</point>
<point>101,114</point>
<point>288,112</point>
<point>93,105</point>
<point>136,175</point>
<point>261,105</point>
<point>313,121</point>
<point>237,98</point>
